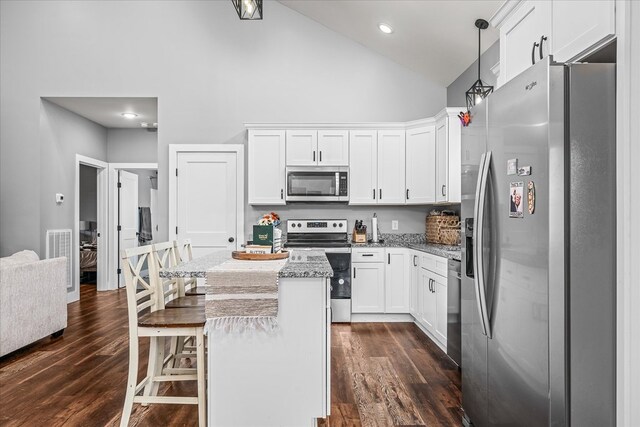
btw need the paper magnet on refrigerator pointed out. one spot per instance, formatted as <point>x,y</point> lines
<point>516,192</point>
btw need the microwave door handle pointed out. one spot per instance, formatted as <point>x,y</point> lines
<point>478,240</point>
<point>337,192</point>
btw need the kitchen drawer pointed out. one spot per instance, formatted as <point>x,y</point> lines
<point>434,263</point>
<point>367,255</point>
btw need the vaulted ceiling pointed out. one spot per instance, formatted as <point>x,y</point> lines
<point>436,38</point>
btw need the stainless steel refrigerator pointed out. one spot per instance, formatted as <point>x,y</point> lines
<point>538,273</point>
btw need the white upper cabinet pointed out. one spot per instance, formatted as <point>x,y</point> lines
<point>333,148</point>
<point>302,147</point>
<point>520,37</point>
<point>447,170</point>
<point>266,167</point>
<point>363,167</point>
<point>391,167</point>
<point>442,162</point>
<point>421,164</point>
<point>577,28</point>
<point>566,29</point>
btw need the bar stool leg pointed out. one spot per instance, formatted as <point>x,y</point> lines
<point>131,382</point>
<point>202,389</point>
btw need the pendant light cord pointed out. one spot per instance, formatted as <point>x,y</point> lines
<point>479,35</point>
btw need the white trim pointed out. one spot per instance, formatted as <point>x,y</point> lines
<point>102,213</point>
<point>628,230</point>
<point>496,69</point>
<point>503,12</point>
<point>380,317</point>
<point>113,215</point>
<point>238,149</point>
<point>359,125</point>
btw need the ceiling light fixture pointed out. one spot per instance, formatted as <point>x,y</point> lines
<point>479,90</point>
<point>385,28</point>
<point>248,9</point>
<point>129,115</point>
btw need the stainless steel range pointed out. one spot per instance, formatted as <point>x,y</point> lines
<point>329,235</point>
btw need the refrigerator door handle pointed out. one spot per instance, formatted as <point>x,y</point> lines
<point>478,238</point>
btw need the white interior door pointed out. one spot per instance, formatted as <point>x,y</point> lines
<point>127,213</point>
<point>206,205</point>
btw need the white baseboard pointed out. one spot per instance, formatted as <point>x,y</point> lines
<point>380,317</point>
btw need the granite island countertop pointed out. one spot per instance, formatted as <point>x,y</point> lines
<point>300,264</point>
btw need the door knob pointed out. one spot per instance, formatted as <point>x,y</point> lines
<point>231,240</point>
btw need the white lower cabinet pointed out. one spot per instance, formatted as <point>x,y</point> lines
<point>397,281</point>
<point>439,285</point>
<point>402,281</point>
<point>431,294</point>
<point>415,282</point>
<point>367,287</point>
<point>427,302</point>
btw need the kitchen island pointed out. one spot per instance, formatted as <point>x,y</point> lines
<point>279,378</point>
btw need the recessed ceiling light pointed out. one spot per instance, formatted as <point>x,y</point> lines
<point>129,115</point>
<point>385,28</point>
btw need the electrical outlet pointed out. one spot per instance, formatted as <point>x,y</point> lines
<point>394,224</point>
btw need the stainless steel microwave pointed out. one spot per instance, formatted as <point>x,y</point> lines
<point>318,184</point>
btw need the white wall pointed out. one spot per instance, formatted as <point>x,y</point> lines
<point>61,135</point>
<point>210,71</point>
<point>456,90</point>
<point>132,146</point>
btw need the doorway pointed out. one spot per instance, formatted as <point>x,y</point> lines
<point>133,213</point>
<point>90,225</point>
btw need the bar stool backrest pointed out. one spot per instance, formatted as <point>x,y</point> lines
<point>141,290</point>
<point>165,256</point>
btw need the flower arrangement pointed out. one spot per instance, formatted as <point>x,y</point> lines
<point>271,218</point>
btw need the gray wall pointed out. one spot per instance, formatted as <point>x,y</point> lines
<point>88,193</point>
<point>62,135</point>
<point>456,90</point>
<point>210,71</point>
<point>132,146</point>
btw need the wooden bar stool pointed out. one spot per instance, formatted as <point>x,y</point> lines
<point>184,253</point>
<point>148,318</point>
<point>171,296</point>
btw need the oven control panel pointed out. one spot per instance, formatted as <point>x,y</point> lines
<point>316,226</point>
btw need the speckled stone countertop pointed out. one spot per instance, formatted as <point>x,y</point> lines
<point>415,241</point>
<point>301,264</point>
<point>307,263</point>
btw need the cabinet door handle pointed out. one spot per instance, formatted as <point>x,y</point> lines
<point>444,190</point>
<point>320,156</point>
<point>429,285</point>
<point>367,254</point>
<point>533,53</point>
<point>415,257</point>
<point>354,272</point>
<point>314,156</point>
<point>281,194</point>
<point>374,194</point>
<point>407,194</point>
<point>380,194</point>
<point>542,39</point>
<point>388,258</point>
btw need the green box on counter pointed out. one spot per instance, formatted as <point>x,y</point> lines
<point>263,235</point>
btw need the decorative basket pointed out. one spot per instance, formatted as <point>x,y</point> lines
<point>436,226</point>
<point>450,236</point>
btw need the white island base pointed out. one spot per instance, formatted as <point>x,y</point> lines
<point>279,379</point>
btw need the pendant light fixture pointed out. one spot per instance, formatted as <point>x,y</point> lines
<point>479,90</point>
<point>248,9</point>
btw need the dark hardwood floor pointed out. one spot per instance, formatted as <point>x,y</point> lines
<point>383,374</point>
